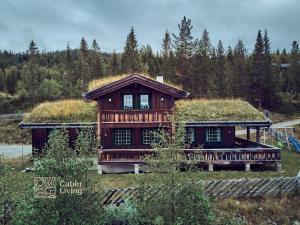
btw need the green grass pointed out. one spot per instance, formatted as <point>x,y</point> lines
<point>216,110</point>
<point>11,133</point>
<point>290,165</point>
<point>63,111</point>
<point>109,79</point>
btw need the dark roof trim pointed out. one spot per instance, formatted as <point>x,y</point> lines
<point>246,123</point>
<point>56,125</point>
<point>135,78</point>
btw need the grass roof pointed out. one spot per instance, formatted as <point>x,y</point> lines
<point>109,79</point>
<point>64,111</point>
<point>216,110</point>
<point>67,111</point>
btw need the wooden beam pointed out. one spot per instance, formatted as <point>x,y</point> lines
<point>98,124</point>
<point>248,133</point>
<point>257,134</point>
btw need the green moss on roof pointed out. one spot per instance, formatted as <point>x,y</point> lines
<point>216,110</point>
<point>64,111</point>
<point>109,79</point>
<point>76,111</point>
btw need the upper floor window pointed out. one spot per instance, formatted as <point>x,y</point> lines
<point>144,101</point>
<point>127,101</point>
<point>213,134</point>
<point>190,135</point>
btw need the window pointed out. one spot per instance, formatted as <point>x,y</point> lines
<point>148,136</point>
<point>144,102</point>
<point>213,134</point>
<point>127,101</point>
<point>190,135</point>
<point>122,137</point>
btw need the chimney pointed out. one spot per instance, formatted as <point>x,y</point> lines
<point>160,79</point>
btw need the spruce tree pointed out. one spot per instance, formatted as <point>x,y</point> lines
<point>96,61</point>
<point>130,58</point>
<point>183,45</point>
<point>240,78</point>
<point>2,80</point>
<point>294,69</point>
<point>114,64</point>
<point>167,64</point>
<point>84,49</point>
<point>258,69</point>
<point>221,80</point>
<point>11,75</point>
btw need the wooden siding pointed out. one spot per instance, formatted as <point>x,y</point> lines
<point>136,90</point>
<point>40,137</point>
<point>228,138</point>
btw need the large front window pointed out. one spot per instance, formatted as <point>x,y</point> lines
<point>122,137</point>
<point>127,101</point>
<point>148,136</point>
<point>213,134</point>
<point>144,102</point>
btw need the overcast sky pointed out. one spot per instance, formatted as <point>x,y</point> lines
<point>52,23</point>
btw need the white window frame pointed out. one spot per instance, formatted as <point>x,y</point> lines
<point>128,100</point>
<point>213,134</point>
<point>143,99</point>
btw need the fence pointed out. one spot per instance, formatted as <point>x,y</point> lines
<point>17,116</point>
<point>246,187</point>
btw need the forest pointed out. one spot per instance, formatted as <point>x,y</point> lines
<point>267,78</point>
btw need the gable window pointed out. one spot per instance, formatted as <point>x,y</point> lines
<point>127,101</point>
<point>144,101</point>
<point>190,135</point>
<point>213,134</point>
<point>148,136</point>
<point>122,137</point>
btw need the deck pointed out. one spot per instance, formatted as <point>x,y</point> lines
<point>244,152</point>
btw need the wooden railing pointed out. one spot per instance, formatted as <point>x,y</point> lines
<point>199,155</point>
<point>129,116</point>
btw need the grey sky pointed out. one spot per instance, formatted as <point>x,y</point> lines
<point>52,23</point>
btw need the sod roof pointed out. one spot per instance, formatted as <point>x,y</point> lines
<point>78,111</point>
<point>63,111</point>
<point>216,110</point>
<point>110,79</point>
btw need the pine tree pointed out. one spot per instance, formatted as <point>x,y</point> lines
<point>183,45</point>
<point>96,61</point>
<point>202,68</point>
<point>130,58</point>
<point>221,80</point>
<point>114,64</point>
<point>32,49</point>
<point>2,80</point>
<point>167,64</point>
<point>258,69</point>
<point>240,79</point>
<point>84,49</point>
<point>294,69</point>
<point>11,75</point>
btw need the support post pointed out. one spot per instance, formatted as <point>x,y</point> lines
<point>136,168</point>
<point>247,167</point>
<point>99,167</point>
<point>248,133</point>
<point>210,167</point>
<point>257,135</point>
<point>99,124</point>
<point>278,166</point>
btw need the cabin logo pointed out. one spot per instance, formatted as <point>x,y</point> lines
<point>45,187</point>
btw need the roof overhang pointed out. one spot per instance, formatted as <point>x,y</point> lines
<point>132,79</point>
<point>56,125</point>
<point>246,123</point>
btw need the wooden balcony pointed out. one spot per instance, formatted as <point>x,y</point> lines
<point>135,116</point>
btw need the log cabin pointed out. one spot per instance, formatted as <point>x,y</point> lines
<point>126,111</point>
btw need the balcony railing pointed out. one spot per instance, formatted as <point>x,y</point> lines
<point>138,116</point>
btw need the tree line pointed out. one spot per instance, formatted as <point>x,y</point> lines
<point>263,77</point>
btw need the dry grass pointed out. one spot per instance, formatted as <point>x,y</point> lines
<point>63,111</point>
<point>216,109</point>
<point>109,79</point>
